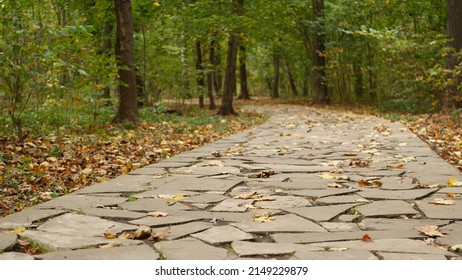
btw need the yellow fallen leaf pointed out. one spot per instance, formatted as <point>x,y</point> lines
<point>457,248</point>
<point>454,183</point>
<point>430,230</point>
<point>325,176</point>
<point>109,235</point>
<point>263,218</point>
<point>19,230</point>
<point>452,195</point>
<point>442,201</point>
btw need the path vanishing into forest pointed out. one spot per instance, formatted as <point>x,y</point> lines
<point>308,184</point>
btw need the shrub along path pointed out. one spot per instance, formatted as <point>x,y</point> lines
<point>308,184</point>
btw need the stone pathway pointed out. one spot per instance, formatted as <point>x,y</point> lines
<point>308,184</point>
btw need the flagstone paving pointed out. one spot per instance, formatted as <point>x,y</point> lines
<point>308,184</point>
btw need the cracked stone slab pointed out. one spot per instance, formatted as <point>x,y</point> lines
<point>286,223</point>
<point>399,245</point>
<point>339,199</point>
<point>147,170</point>
<point>454,234</point>
<point>395,224</point>
<point>161,191</point>
<point>187,229</point>
<point>173,218</point>
<point>343,255</point>
<point>386,208</point>
<point>282,202</point>
<point>322,193</point>
<point>340,227</point>
<point>73,224</point>
<point>7,241</point>
<point>322,213</point>
<point>397,183</point>
<point>245,248</point>
<point>139,252</point>
<point>441,211</point>
<point>190,249</point>
<point>27,217</point>
<point>201,184</point>
<point>123,184</point>
<point>304,238</point>
<point>222,234</point>
<point>231,205</point>
<point>405,256</point>
<point>112,213</point>
<point>206,198</point>
<point>205,170</point>
<point>15,256</point>
<point>60,241</point>
<point>395,194</point>
<point>80,202</point>
<point>152,204</point>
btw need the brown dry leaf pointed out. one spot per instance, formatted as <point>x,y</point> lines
<point>336,171</point>
<point>176,198</point>
<point>217,154</point>
<point>263,174</point>
<point>109,245</point>
<point>160,235</point>
<point>363,183</point>
<point>453,195</point>
<point>366,238</point>
<point>140,233</point>
<point>218,163</point>
<point>157,214</point>
<point>442,201</point>
<point>430,230</point>
<point>263,218</point>
<point>247,195</point>
<point>109,235</point>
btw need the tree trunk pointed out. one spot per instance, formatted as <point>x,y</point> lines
<point>293,86</point>
<point>200,73</point>
<point>453,97</point>
<point>319,61</point>
<point>124,51</point>
<point>277,59</point>
<point>243,73</point>
<point>211,76</point>
<point>359,88</point>
<point>229,87</point>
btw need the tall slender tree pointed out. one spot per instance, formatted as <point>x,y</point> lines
<point>124,51</point>
<point>229,87</point>
<point>319,60</point>
<point>454,29</point>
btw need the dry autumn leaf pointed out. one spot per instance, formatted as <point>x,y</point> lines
<point>442,201</point>
<point>326,176</point>
<point>109,235</point>
<point>454,183</point>
<point>109,245</point>
<point>247,195</point>
<point>430,230</point>
<point>263,174</point>
<point>157,214</point>
<point>19,230</point>
<point>160,235</point>
<point>140,233</point>
<point>335,185</point>
<point>366,238</point>
<point>263,218</point>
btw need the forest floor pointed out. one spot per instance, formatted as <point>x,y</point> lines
<point>45,167</point>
